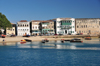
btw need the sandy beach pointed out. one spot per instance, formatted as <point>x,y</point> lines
<point>40,38</point>
<point>36,38</point>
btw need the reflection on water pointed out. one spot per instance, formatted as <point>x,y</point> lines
<point>89,45</point>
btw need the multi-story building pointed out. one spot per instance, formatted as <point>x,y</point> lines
<point>65,26</point>
<point>88,26</point>
<point>23,27</point>
<point>35,27</point>
<point>47,27</point>
<point>10,31</point>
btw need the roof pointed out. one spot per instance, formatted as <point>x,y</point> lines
<point>86,18</point>
<point>47,21</point>
<point>23,21</point>
<point>42,21</point>
<point>36,20</point>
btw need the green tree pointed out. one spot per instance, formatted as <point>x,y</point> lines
<point>4,22</point>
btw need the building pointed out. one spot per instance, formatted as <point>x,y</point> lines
<point>35,27</point>
<point>47,27</point>
<point>64,26</point>
<point>89,26</point>
<point>10,31</point>
<point>23,27</point>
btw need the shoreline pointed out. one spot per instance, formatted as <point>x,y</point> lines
<point>40,38</point>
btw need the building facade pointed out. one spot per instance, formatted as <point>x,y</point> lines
<point>35,27</point>
<point>89,26</point>
<point>23,27</point>
<point>10,31</point>
<point>47,27</point>
<point>65,26</point>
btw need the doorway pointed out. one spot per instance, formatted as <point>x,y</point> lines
<point>65,31</point>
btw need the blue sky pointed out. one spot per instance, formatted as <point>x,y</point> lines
<point>16,10</point>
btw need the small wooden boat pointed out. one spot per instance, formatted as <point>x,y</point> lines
<point>46,40</point>
<point>62,40</point>
<point>76,40</point>
<point>22,42</point>
<point>87,38</point>
<point>43,41</point>
<point>28,40</point>
<point>66,40</point>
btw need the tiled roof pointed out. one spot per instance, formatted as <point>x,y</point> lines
<point>42,21</point>
<point>36,20</point>
<point>48,21</point>
<point>23,21</point>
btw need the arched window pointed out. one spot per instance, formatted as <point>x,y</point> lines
<point>23,25</point>
<point>77,26</point>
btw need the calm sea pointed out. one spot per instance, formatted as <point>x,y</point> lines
<point>53,53</point>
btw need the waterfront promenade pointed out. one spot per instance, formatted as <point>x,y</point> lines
<point>40,38</point>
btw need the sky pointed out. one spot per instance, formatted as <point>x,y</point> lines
<point>16,10</point>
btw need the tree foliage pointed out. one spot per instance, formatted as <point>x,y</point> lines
<point>4,22</point>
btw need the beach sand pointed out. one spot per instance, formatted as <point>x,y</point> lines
<point>39,38</point>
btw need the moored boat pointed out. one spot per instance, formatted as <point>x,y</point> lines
<point>66,40</point>
<point>62,40</point>
<point>76,40</point>
<point>43,41</point>
<point>87,38</point>
<point>28,40</point>
<point>23,42</point>
<point>46,40</point>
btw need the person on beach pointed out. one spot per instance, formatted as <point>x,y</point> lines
<point>4,42</point>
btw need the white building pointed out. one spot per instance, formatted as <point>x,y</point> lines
<point>23,27</point>
<point>65,25</point>
<point>35,30</point>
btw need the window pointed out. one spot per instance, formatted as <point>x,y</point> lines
<point>77,26</point>
<point>84,26</point>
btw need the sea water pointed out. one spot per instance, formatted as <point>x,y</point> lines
<point>53,53</point>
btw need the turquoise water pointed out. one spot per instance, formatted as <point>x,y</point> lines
<point>50,54</point>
